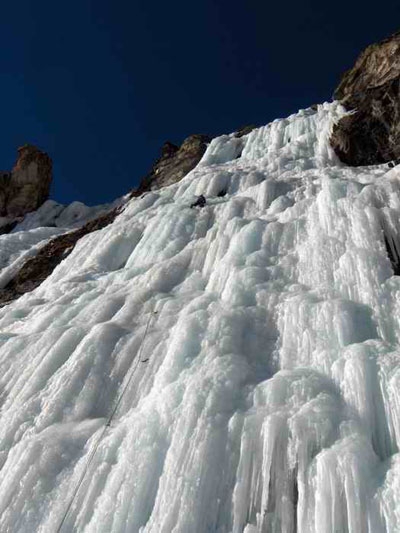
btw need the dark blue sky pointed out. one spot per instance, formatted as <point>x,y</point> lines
<point>100,85</point>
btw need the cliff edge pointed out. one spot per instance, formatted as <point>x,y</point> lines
<point>370,135</point>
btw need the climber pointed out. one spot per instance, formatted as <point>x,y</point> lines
<point>200,202</point>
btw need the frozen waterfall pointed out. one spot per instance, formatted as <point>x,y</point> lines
<point>267,394</point>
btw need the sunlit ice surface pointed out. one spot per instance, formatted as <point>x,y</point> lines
<point>250,350</point>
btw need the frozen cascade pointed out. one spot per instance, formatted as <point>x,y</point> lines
<point>270,396</point>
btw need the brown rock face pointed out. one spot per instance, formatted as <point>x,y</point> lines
<point>245,130</point>
<point>5,178</point>
<point>29,183</point>
<point>175,162</point>
<point>371,135</point>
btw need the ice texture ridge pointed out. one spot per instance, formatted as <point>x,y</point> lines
<point>267,394</point>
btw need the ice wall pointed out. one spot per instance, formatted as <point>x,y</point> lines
<point>264,396</point>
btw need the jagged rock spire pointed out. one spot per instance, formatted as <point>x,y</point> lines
<point>27,186</point>
<point>30,181</point>
<point>175,162</point>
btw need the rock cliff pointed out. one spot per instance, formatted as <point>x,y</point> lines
<point>27,186</point>
<point>371,89</point>
<point>175,162</point>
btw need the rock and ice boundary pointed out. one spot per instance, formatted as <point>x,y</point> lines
<point>267,396</point>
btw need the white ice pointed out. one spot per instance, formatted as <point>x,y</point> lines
<point>54,214</point>
<point>39,227</point>
<point>265,396</point>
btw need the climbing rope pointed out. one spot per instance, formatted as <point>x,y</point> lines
<point>108,424</point>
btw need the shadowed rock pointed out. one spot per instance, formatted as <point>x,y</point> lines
<point>371,134</point>
<point>245,130</point>
<point>175,162</point>
<point>27,186</point>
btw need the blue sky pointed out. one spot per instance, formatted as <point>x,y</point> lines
<point>100,85</point>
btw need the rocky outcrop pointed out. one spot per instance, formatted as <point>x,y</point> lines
<point>175,162</point>
<point>245,130</point>
<point>28,185</point>
<point>371,89</point>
